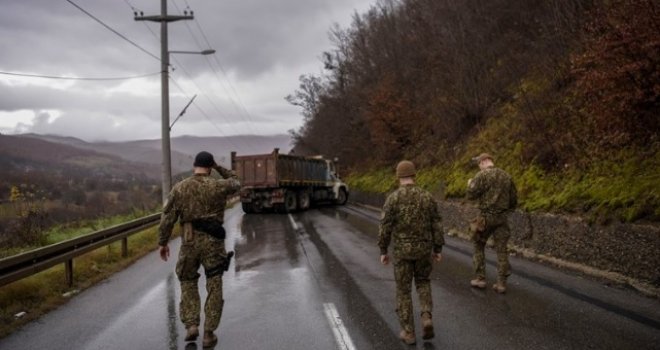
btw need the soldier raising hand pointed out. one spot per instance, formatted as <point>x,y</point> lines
<point>496,193</point>
<point>198,203</point>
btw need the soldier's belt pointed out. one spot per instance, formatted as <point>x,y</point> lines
<point>209,226</point>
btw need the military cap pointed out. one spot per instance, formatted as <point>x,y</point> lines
<point>405,168</point>
<point>204,159</point>
<point>481,157</point>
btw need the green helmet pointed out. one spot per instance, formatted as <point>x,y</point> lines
<point>405,168</point>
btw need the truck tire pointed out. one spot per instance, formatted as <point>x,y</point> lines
<point>247,208</point>
<point>342,197</point>
<point>304,200</point>
<point>290,202</point>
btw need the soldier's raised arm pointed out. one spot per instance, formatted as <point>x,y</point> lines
<point>231,185</point>
<point>475,187</point>
<point>225,173</point>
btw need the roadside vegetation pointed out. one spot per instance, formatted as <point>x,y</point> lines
<point>45,291</point>
<point>68,231</point>
<point>565,94</point>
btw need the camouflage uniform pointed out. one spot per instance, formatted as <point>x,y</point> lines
<point>198,197</point>
<point>410,218</point>
<point>496,193</point>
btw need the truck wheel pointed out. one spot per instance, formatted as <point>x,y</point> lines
<point>247,208</point>
<point>290,202</point>
<point>303,200</point>
<point>342,197</point>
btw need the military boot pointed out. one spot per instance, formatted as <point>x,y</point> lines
<point>500,286</point>
<point>192,333</point>
<point>209,339</point>
<point>407,337</point>
<point>478,283</point>
<point>427,326</point>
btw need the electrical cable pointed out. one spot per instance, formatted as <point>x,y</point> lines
<point>176,84</point>
<point>179,65</point>
<point>217,60</point>
<point>77,78</point>
<point>114,31</point>
<point>215,106</point>
<point>203,112</point>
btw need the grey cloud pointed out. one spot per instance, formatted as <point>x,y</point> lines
<point>263,45</point>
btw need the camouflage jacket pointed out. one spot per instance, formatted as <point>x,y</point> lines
<point>197,197</point>
<point>410,217</point>
<point>495,191</point>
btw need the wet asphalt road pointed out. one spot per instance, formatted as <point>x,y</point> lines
<point>312,280</point>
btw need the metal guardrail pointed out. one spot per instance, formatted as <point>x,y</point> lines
<point>19,266</point>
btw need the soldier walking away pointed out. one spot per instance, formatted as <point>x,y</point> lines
<point>198,203</point>
<point>496,193</point>
<point>411,220</point>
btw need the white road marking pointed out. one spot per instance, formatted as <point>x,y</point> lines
<point>341,334</point>
<point>293,222</point>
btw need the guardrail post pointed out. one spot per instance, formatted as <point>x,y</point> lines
<point>124,247</point>
<point>14,268</point>
<point>68,271</point>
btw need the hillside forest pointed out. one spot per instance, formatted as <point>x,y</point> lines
<point>564,93</point>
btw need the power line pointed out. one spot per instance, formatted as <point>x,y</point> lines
<point>114,31</point>
<point>77,78</point>
<point>179,65</point>
<point>210,101</point>
<point>203,112</point>
<point>217,60</point>
<point>176,84</point>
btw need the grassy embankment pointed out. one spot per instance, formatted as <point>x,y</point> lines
<point>623,186</point>
<point>63,232</point>
<point>40,293</point>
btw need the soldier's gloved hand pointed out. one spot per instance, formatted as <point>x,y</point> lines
<point>384,259</point>
<point>469,182</point>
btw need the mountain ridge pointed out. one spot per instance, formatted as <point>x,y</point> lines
<point>183,148</point>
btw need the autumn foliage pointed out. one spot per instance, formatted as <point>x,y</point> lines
<point>618,74</point>
<point>421,78</point>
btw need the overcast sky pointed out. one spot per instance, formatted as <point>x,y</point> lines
<point>262,47</point>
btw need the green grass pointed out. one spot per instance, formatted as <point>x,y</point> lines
<point>64,232</point>
<point>624,187</point>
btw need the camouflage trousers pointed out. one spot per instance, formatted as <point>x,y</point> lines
<point>496,226</point>
<point>405,271</point>
<point>201,249</point>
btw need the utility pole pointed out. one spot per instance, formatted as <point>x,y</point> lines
<point>165,88</point>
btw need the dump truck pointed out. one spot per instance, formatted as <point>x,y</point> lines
<point>287,183</point>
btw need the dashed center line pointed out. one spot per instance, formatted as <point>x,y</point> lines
<point>293,222</point>
<point>341,334</point>
<point>342,337</point>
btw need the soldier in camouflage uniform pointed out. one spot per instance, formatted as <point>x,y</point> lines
<point>496,193</point>
<point>198,202</point>
<point>410,218</point>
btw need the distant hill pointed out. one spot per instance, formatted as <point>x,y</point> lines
<point>45,183</point>
<point>184,148</point>
<point>44,171</point>
<point>28,152</point>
